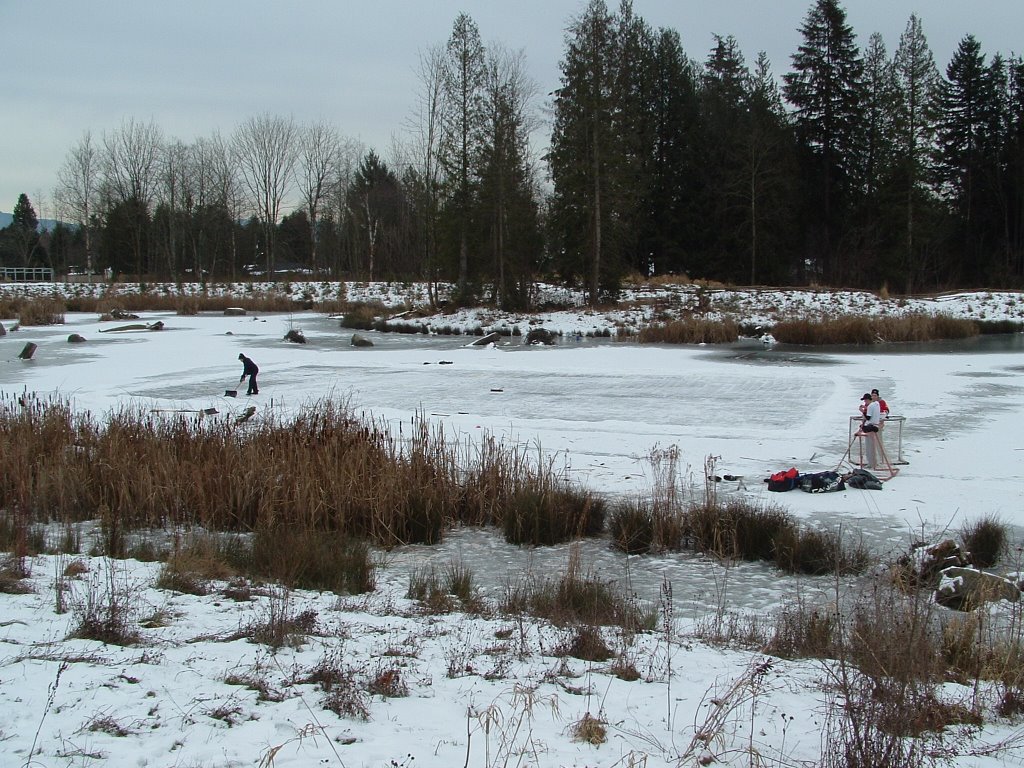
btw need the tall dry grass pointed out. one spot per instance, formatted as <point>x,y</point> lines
<point>322,471</point>
<point>694,330</point>
<point>34,310</point>
<point>856,329</point>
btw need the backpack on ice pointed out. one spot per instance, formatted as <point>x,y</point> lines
<point>822,482</point>
<point>783,481</point>
<point>861,478</point>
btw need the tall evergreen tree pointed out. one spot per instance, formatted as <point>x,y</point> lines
<point>583,150</point>
<point>1013,154</point>
<point>24,214</point>
<point>631,164</point>
<point>21,236</point>
<point>675,194</point>
<point>509,214</point>
<point>767,165</point>
<point>464,81</point>
<point>879,257</point>
<point>726,126</point>
<point>375,202</point>
<point>916,82</point>
<point>970,122</point>
<point>825,89</point>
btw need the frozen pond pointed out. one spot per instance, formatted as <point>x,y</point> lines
<point>598,410</point>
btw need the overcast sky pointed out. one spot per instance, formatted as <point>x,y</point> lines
<point>197,66</point>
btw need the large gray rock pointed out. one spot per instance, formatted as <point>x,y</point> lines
<point>965,589</point>
<point>234,311</point>
<point>76,338</point>
<point>360,341</point>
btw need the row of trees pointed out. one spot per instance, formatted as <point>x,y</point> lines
<point>858,168</point>
<point>459,200</point>
<point>862,169</point>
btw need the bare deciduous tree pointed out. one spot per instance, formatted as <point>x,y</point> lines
<point>319,147</point>
<point>130,175</point>
<point>265,151</point>
<point>175,195</point>
<point>132,160</point>
<point>425,126</point>
<point>77,190</point>
<point>227,188</point>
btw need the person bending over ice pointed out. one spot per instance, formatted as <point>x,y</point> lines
<point>250,369</point>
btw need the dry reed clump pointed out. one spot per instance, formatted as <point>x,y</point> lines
<point>803,631</point>
<point>492,476</point>
<point>986,539</point>
<point>361,316</point>
<point>13,572</point>
<point>640,527</point>
<point>446,590</point>
<point>548,511</point>
<point>631,527</point>
<point>307,558</point>
<point>815,553</point>
<point>741,530</point>
<point>586,643</point>
<point>149,471</point>
<point>975,648</point>
<point>660,281</point>
<point>894,635</point>
<point>855,329</point>
<point>576,599</point>
<point>840,330</point>
<point>19,536</point>
<point>41,311</point>
<point>738,529</point>
<point>906,644</point>
<point>278,625</point>
<point>192,564</point>
<point>993,327</point>
<point>690,331</point>
<point>187,306</point>
<point>590,730</point>
<point>890,655</point>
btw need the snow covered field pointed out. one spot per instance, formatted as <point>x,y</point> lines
<point>597,408</point>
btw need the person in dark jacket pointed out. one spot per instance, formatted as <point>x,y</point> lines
<point>250,369</point>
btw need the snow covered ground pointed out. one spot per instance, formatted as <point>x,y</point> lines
<point>488,692</point>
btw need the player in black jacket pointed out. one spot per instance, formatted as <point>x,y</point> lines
<point>250,369</point>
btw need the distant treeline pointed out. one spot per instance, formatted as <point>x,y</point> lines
<point>856,168</point>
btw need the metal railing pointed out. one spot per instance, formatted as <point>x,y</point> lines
<point>27,274</point>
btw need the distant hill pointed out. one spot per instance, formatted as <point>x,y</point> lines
<point>7,218</point>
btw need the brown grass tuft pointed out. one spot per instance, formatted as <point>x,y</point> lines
<point>857,329</point>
